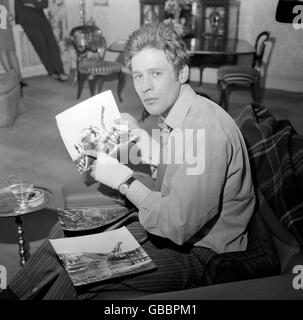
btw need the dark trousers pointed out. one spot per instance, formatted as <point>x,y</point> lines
<point>178,267</point>
<point>39,32</point>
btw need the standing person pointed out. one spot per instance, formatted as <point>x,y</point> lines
<point>201,205</point>
<point>30,15</point>
<point>8,57</point>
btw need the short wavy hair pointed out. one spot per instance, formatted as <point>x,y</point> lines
<point>158,36</point>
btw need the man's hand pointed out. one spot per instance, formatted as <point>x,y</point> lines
<point>108,170</point>
<point>148,146</point>
<point>127,120</point>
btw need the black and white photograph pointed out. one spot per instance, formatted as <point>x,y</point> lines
<point>87,218</point>
<point>102,256</point>
<point>175,123</point>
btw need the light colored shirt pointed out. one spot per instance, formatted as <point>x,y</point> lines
<point>206,200</point>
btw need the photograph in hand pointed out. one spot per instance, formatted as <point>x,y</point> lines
<point>107,141</point>
<point>90,125</point>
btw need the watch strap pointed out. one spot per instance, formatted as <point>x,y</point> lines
<point>126,184</point>
<point>129,181</point>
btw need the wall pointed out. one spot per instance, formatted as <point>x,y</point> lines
<point>117,20</point>
<point>285,66</point>
<point>285,69</point>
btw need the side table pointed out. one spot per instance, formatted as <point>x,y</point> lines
<point>7,205</point>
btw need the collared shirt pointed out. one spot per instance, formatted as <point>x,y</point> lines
<point>207,196</point>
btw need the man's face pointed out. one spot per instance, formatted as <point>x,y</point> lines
<point>155,80</point>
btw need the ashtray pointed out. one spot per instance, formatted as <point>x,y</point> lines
<point>35,198</point>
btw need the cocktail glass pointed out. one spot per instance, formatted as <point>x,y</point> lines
<point>20,185</point>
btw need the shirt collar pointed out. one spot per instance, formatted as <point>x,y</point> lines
<point>179,110</point>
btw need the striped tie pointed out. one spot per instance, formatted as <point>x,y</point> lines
<point>165,131</point>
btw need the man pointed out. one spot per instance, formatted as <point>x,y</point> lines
<point>199,208</point>
<point>186,201</point>
<point>30,15</point>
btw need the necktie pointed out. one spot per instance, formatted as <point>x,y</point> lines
<point>164,134</point>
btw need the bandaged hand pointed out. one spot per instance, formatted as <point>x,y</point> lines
<point>108,170</point>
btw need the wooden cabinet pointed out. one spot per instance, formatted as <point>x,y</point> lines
<point>216,18</point>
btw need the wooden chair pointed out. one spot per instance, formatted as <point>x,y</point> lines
<point>90,46</point>
<point>242,75</point>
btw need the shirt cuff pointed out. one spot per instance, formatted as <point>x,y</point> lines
<point>146,216</point>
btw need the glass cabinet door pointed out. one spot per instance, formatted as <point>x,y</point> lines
<point>216,18</point>
<point>151,11</point>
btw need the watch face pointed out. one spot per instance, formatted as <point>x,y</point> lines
<point>123,188</point>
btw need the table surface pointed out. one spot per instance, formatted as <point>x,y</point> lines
<point>220,46</point>
<point>205,46</point>
<point>8,202</point>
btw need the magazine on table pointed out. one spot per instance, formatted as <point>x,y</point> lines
<point>90,125</point>
<point>101,256</point>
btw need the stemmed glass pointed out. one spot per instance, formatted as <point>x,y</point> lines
<point>20,185</point>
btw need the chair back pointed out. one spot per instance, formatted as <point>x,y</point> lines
<point>88,41</point>
<point>260,45</point>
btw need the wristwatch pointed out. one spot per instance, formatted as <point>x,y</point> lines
<point>123,187</point>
